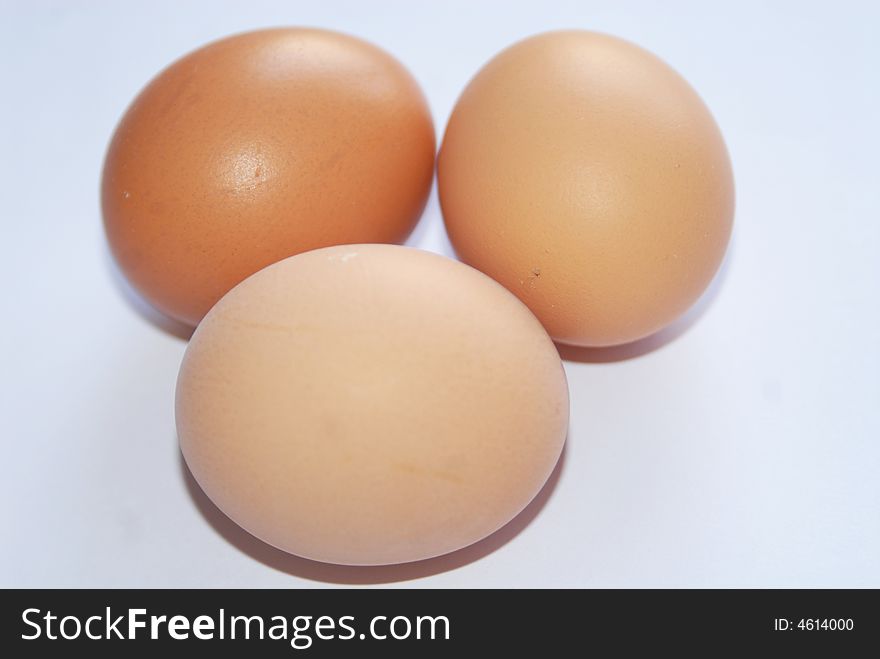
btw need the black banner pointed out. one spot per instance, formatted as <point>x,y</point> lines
<point>435,622</point>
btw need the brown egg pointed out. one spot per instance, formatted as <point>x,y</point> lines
<point>371,404</point>
<point>257,147</point>
<point>588,177</point>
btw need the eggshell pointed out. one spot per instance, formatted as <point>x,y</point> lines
<point>587,177</point>
<point>257,147</point>
<point>371,404</point>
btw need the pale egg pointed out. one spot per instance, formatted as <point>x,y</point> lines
<point>371,404</point>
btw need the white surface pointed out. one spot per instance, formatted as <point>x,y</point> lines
<point>742,450</point>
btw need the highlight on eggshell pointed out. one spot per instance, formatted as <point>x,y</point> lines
<point>587,176</point>
<point>260,146</point>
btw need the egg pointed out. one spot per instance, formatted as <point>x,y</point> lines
<point>371,404</point>
<point>586,176</point>
<point>257,147</point>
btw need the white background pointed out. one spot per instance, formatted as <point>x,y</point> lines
<point>739,448</point>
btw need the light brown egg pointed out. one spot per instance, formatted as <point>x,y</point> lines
<point>257,147</point>
<point>371,404</point>
<point>587,177</point>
